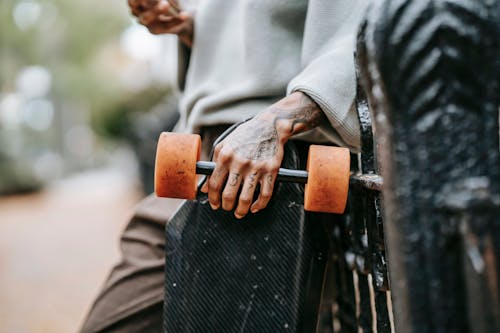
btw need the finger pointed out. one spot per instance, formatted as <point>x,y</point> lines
<point>157,27</point>
<point>147,4</point>
<point>216,184</point>
<point>142,4</point>
<point>204,187</point>
<point>246,195</point>
<point>151,3</point>
<point>165,18</point>
<point>137,10</point>
<point>168,15</point>
<point>184,16</point>
<point>163,7</point>
<point>231,190</point>
<point>134,3</point>
<point>147,17</point>
<point>175,4</point>
<point>266,191</point>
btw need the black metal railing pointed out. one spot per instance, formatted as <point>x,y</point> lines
<point>357,289</point>
<point>431,70</point>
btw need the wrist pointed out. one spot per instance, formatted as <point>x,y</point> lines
<point>294,114</point>
<point>274,120</point>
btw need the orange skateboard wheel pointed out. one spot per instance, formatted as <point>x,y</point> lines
<point>175,166</point>
<point>328,179</point>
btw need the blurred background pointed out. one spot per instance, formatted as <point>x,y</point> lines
<point>84,93</point>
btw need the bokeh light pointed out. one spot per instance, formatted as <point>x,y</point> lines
<point>27,14</point>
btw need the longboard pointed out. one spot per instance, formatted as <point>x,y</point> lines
<point>260,274</point>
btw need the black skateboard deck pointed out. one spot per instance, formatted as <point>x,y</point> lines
<point>260,274</point>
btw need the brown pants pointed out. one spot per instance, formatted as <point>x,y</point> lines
<point>132,297</point>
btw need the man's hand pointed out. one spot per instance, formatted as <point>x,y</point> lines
<point>252,154</point>
<point>160,17</point>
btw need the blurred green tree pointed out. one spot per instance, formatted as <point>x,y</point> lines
<point>78,43</point>
<point>66,38</point>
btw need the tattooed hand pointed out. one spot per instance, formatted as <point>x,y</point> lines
<point>163,17</point>
<point>252,154</point>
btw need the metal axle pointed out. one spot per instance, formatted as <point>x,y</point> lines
<point>284,175</point>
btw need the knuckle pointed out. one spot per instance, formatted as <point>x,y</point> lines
<point>242,161</point>
<point>273,168</point>
<point>213,202</point>
<point>228,196</point>
<point>265,195</point>
<point>224,156</point>
<point>217,149</point>
<point>245,201</point>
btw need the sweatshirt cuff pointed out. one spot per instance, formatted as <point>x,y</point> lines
<point>339,108</point>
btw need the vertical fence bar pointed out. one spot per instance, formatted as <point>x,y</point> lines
<point>431,70</point>
<point>346,298</point>
<point>365,314</point>
<point>379,265</point>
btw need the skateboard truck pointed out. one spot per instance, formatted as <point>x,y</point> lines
<point>284,175</point>
<point>326,179</point>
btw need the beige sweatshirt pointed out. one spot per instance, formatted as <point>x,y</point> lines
<point>247,54</point>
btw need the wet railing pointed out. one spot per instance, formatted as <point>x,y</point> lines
<point>431,70</point>
<point>356,292</point>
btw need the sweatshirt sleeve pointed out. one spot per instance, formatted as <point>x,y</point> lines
<point>327,59</point>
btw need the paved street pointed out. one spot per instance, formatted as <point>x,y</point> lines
<point>56,248</point>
